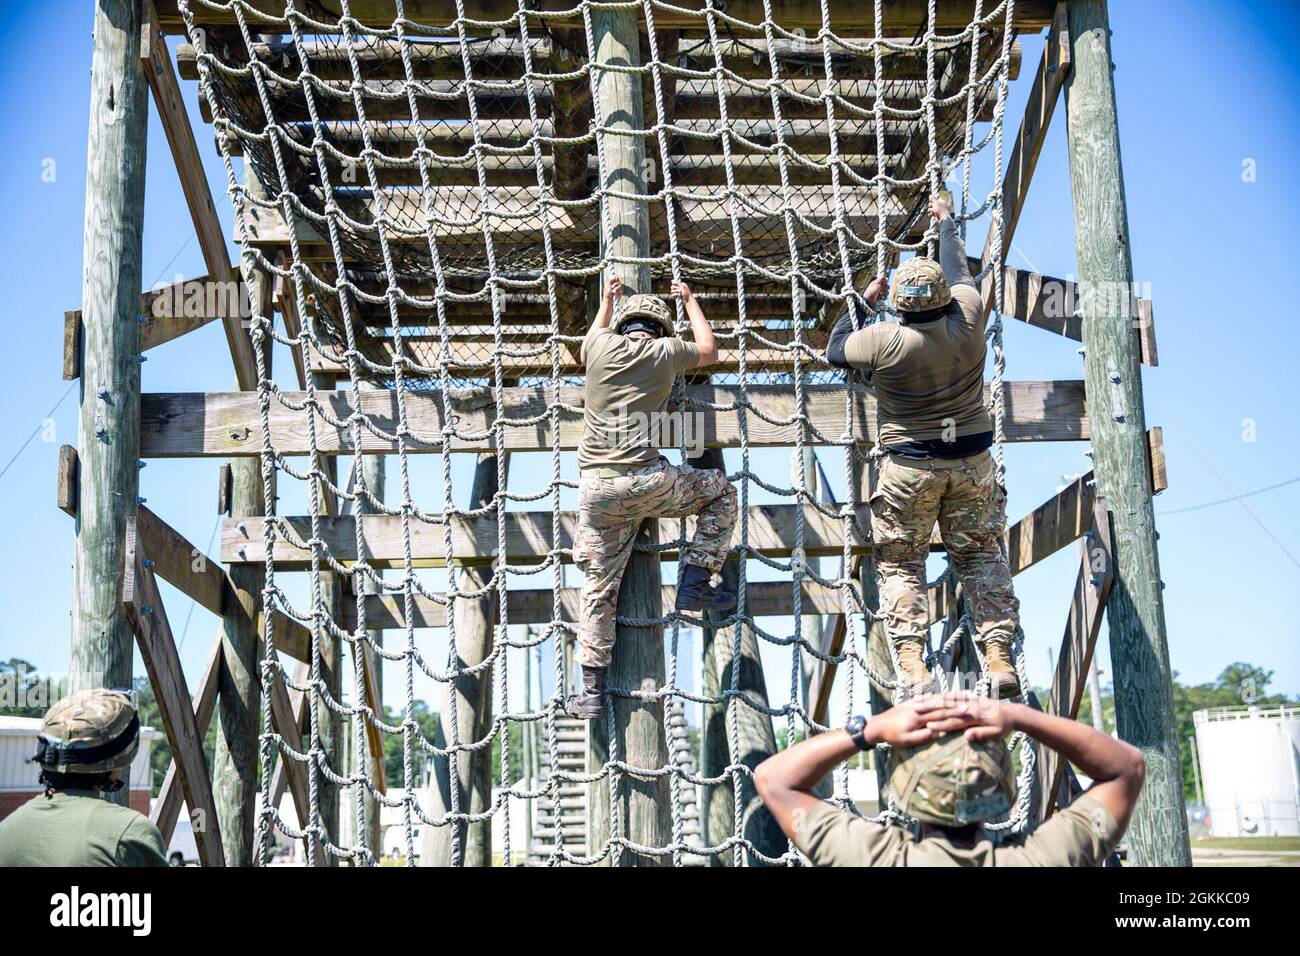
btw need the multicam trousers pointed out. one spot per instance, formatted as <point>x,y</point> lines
<point>610,511</point>
<point>965,497</point>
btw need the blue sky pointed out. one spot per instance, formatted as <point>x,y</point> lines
<point>1202,96</point>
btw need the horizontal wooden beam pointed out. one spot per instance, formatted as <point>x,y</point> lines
<point>144,608</point>
<point>166,313</point>
<point>535,606</point>
<point>1053,304</point>
<point>223,424</point>
<point>529,536</point>
<point>157,65</point>
<point>901,17</point>
<point>1052,525</point>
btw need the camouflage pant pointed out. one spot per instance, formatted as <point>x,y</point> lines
<point>610,511</point>
<point>965,498</point>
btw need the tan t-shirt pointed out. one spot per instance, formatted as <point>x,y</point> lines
<point>1083,834</point>
<point>928,377</point>
<point>629,381</point>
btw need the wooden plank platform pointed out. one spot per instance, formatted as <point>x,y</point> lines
<point>223,424</point>
<point>515,216</point>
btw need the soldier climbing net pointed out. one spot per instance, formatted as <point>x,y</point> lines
<point>433,185</point>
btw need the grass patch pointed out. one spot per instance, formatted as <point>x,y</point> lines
<point>1247,843</point>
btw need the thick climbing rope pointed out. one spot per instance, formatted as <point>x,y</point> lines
<point>309,181</point>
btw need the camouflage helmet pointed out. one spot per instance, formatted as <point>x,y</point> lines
<point>649,307</point>
<point>919,285</point>
<point>953,782</point>
<point>89,731</point>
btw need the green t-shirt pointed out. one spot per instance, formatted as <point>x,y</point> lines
<point>78,828</point>
<point>1083,834</point>
<point>629,382</point>
<point>928,376</point>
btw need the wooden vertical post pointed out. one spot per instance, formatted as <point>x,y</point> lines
<point>235,760</point>
<point>108,434</point>
<point>754,731</point>
<point>372,475</point>
<point>1139,647</point>
<point>810,625</point>
<point>877,638</point>
<point>461,844</point>
<point>330,724</point>
<point>638,664</point>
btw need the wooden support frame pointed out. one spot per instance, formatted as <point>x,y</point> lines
<point>160,321</point>
<point>1049,303</point>
<point>1083,625</point>
<point>228,424</point>
<point>167,807</point>
<point>157,66</point>
<point>176,560</point>
<point>289,720</point>
<point>143,606</point>
<point>1043,95</point>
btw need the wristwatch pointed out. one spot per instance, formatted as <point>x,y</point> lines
<point>856,729</point>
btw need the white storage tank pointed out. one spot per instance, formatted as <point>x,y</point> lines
<point>1250,768</point>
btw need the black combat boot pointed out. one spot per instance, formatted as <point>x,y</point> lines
<point>696,594</point>
<point>590,702</point>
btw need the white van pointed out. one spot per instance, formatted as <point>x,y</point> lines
<point>183,851</point>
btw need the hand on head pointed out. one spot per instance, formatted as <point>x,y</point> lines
<point>930,716</point>
<point>981,718</point>
<point>939,208</point>
<point>680,290</point>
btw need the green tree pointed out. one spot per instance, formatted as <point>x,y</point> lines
<point>427,721</point>
<point>24,692</point>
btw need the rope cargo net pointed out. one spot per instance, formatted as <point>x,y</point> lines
<point>443,189</point>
